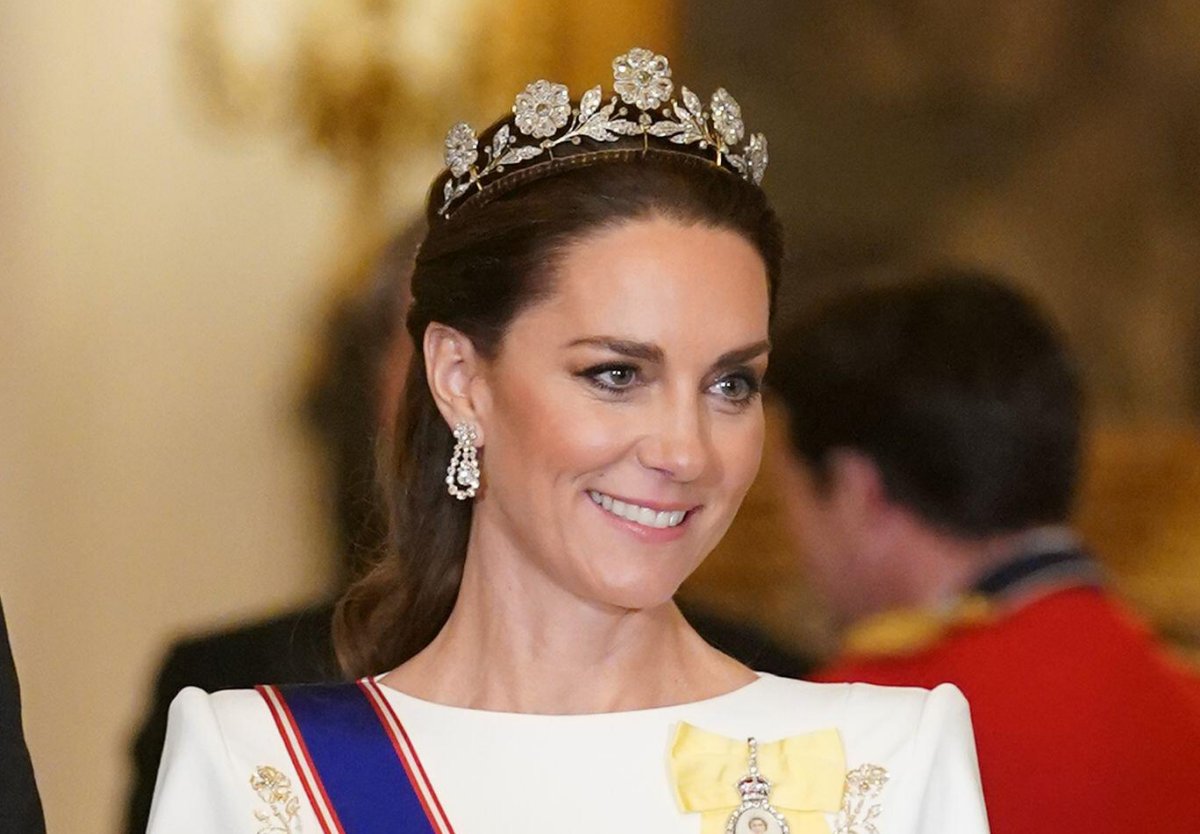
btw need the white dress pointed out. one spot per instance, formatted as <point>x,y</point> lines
<point>587,774</point>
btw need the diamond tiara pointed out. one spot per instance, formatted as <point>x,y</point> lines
<point>544,118</point>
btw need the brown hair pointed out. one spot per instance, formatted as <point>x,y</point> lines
<point>475,272</point>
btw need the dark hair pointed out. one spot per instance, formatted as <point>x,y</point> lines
<point>475,272</point>
<point>954,384</point>
<point>344,399</point>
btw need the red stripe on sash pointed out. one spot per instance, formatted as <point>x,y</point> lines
<point>407,754</point>
<point>301,760</point>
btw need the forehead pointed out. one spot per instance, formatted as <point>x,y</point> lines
<point>685,286</point>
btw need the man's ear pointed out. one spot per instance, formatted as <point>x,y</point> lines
<point>857,489</point>
<point>455,373</point>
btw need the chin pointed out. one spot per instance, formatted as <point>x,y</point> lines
<point>635,590</point>
<point>637,599</point>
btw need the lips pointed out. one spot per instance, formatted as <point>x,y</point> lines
<point>646,516</point>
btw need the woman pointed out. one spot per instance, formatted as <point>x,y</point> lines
<point>590,307</point>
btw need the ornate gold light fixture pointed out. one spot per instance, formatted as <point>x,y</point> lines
<point>370,82</point>
<point>372,85</point>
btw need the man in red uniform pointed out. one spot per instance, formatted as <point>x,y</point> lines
<point>935,427</point>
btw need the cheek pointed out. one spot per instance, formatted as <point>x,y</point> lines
<point>738,446</point>
<point>550,432</point>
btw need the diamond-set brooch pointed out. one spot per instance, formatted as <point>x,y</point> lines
<point>543,118</point>
<point>755,814</point>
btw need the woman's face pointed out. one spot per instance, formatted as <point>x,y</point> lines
<point>621,419</point>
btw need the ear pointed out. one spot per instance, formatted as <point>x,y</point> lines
<point>857,491</point>
<point>456,380</point>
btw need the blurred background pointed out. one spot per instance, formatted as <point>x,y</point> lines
<point>189,187</point>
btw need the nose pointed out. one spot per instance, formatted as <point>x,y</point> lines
<point>678,440</point>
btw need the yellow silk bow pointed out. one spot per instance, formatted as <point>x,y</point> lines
<point>807,775</point>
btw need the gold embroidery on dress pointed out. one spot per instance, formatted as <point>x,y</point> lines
<point>863,784</point>
<point>275,790</point>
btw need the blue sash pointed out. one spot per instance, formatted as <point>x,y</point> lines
<point>354,758</point>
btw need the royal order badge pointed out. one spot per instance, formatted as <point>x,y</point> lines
<point>755,815</point>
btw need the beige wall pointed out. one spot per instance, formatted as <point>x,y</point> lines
<point>159,282</point>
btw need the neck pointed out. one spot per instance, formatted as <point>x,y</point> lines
<point>942,567</point>
<point>517,642</point>
<point>934,567</point>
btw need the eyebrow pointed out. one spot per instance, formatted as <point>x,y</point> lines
<point>625,347</point>
<point>740,355</point>
<point>649,352</point>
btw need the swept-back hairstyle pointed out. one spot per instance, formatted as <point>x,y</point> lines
<point>954,384</point>
<point>476,271</point>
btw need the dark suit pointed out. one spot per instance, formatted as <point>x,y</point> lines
<point>20,805</point>
<point>297,648</point>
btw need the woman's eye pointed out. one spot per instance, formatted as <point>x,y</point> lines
<point>614,377</point>
<point>736,388</point>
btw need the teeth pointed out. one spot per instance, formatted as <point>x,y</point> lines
<point>641,515</point>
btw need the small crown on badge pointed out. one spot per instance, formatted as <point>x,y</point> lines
<point>754,788</point>
<point>755,814</point>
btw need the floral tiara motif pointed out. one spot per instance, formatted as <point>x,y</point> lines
<point>642,80</point>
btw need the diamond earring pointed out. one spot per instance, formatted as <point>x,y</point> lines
<point>462,475</point>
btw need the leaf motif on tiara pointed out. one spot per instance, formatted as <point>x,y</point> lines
<point>625,127</point>
<point>452,192</point>
<point>666,129</point>
<point>522,153</point>
<point>597,129</point>
<point>688,137</point>
<point>500,141</point>
<point>756,157</point>
<point>692,102</point>
<point>727,117</point>
<point>594,125</point>
<point>695,128</point>
<point>589,102</point>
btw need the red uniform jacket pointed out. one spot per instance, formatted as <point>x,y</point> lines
<point>1083,724</point>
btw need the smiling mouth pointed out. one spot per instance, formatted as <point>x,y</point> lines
<point>645,516</point>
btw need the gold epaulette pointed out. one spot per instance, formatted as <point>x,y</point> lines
<point>905,631</point>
